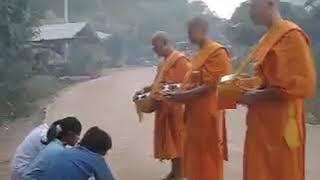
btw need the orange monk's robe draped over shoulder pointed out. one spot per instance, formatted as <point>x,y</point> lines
<point>275,138</point>
<point>169,116</point>
<point>205,131</point>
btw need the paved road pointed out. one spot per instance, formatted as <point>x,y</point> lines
<point>106,102</point>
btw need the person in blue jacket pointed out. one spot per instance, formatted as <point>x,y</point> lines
<point>85,161</point>
<point>62,133</point>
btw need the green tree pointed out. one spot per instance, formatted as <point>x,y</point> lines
<point>243,33</point>
<point>314,7</point>
<point>16,29</point>
<point>134,21</point>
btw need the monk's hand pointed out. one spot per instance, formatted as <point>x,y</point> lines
<point>262,95</point>
<point>147,88</point>
<point>176,96</point>
<point>249,98</point>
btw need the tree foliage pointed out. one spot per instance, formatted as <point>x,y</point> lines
<point>16,22</point>
<point>134,21</point>
<point>243,33</point>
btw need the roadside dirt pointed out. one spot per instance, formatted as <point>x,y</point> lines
<point>106,102</point>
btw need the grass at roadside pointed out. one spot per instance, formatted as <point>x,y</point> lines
<point>32,96</point>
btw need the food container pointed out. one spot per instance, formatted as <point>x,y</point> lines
<point>231,88</point>
<point>170,87</point>
<point>144,102</point>
<point>228,95</point>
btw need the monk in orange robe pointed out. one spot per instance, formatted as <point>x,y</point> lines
<point>168,115</point>
<point>275,136</point>
<point>205,133</point>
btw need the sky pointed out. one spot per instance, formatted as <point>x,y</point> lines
<point>224,8</point>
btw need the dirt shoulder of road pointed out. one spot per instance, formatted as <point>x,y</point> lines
<point>13,133</point>
<point>133,141</point>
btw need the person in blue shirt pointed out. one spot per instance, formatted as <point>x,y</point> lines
<point>62,133</point>
<point>85,161</point>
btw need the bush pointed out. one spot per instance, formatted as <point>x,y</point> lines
<point>42,86</point>
<point>21,99</point>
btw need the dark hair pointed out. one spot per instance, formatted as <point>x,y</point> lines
<point>60,128</point>
<point>97,140</point>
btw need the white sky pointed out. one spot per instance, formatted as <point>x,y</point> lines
<point>224,8</point>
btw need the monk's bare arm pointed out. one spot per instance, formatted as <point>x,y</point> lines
<point>296,63</point>
<point>198,91</point>
<point>294,74</point>
<point>214,68</point>
<point>269,94</point>
<point>186,95</point>
<point>217,65</point>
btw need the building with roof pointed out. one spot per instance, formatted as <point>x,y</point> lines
<point>64,32</point>
<point>55,38</point>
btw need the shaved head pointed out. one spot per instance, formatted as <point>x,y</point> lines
<point>162,36</point>
<point>199,22</point>
<point>161,43</point>
<point>198,28</point>
<point>262,12</point>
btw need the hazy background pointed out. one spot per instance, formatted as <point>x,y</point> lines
<point>31,71</point>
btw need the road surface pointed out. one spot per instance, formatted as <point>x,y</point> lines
<point>106,102</point>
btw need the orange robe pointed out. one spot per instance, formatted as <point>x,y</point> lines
<point>205,146</point>
<point>169,116</point>
<point>275,137</point>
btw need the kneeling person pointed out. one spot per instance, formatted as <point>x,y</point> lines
<point>62,133</point>
<point>85,161</point>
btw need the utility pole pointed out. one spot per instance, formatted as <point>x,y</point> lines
<point>66,20</point>
<point>66,11</point>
